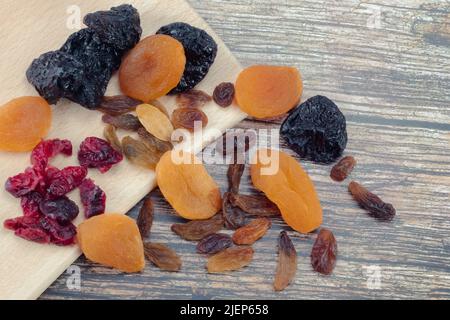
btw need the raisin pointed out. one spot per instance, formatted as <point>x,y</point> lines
<point>63,181</point>
<point>233,217</point>
<point>193,99</point>
<point>376,207</point>
<point>155,121</point>
<point>214,243</point>
<point>324,252</point>
<point>224,94</point>
<point>287,262</point>
<point>230,259</point>
<point>342,169</point>
<point>124,121</point>
<point>187,186</point>
<point>162,256</point>
<point>112,240</point>
<point>236,143</point>
<point>93,198</point>
<point>30,204</point>
<point>316,130</point>
<point>61,209</point>
<point>152,68</point>
<point>61,235</point>
<point>139,154</point>
<point>157,146</point>
<point>200,49</point>
<point>48,149</point>
<point>145,218</point>
<point>234,175</point>
<point>24,183</point>
<point>110,134</point>
<point>289,187</point>
<point>117,105</point>
<point>197,230</point>
<point>251,232</point>
<point>23,123</point>
<point>189,119</point>
<point>258,205</point>
<point>268,91</point>
<point>98,153</point>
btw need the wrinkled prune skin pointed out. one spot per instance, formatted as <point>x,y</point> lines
<point>62,210</point>
<point>200,49</point>
<point>316,130</point>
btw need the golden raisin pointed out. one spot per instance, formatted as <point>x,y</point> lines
<point>251,232</point>
<point>230,259</point>
<point>188,118</point>
<point>155,121</point>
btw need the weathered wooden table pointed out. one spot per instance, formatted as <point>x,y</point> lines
<point>387,65</point>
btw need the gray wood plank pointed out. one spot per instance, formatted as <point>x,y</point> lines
<point>392,81</point>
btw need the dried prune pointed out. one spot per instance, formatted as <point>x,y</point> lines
<point>233,216</point>
<point>110,134</point>
<point>189,119</point>
<point>197,230</point>
<point>324,252</point>
<point>258,205</point>
<point>123,121</point>
<point>63,181</point>
<point>224,94</point>
<point>61,209</point>
<point>316,130</point>
<point>145,218</point>
<point>158,146</point>
<point>93,198</point>
<point>23,183</point>
<point>30,204</point>
<point>214,243</point>
<point>48,149</point>
<point>162,256</point>
<point>61,235</point>
<point>23,123</point>
<point>230,259</point>
<point>376,207</point>
<point>200,49</point>
<point>343,168</point>
<point>117,105</point>
<point>155,121</point>
<point>139,154</point>
<point>98,153</point>
<point>193,99</point>
<point>252,232</point>
<point>287,262</point>
<point>234,174</point>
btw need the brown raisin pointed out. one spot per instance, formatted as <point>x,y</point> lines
<point>230,259</point>
<point>214,243</point>
<point>187,118</point>
<point>233,217</point>
<point>193,99</point>
<point>258,205</point>
<point>224,94</point>
<point>236,143</point>
<point>324,252</point>
<point>145,218</point>
<point>343,168</point>
<point>162,256</point>
<point>117,105</point>
<point>251,232</point>
<point>123,121</point>
<point>139,154</point>
<point>376,207</point>
<point>197,230</point>
<point>158,146</point>
<point>234,174</point>
<point>287,262</point>
<point>110,135</point>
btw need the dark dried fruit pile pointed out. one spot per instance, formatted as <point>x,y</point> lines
<point>316,130</point>
<point>200,49</point>
<point>81,69</point>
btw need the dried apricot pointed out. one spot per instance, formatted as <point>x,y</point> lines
<point>288,186</point>
<point>152,68</point>
<point>23,123</point>
<point>155,121</point>
<point>112,240</point>
<point>268,91</point>
<point>187,186</point>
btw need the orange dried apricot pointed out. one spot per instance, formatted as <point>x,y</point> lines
<point>289,187</point>
<point>24,122</point>
<point>112,240</point>
<point>152,68</point>
<point>187,186</point>
<point>268,91</point>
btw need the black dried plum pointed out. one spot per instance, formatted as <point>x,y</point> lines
<point>200,49</point>
<point>316,130</point>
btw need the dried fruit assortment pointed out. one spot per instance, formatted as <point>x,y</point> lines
<point>324,252</point>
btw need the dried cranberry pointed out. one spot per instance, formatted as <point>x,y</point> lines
<point>48,149</point>
<point>62,210</point>
<point>59,235</point>
<point>63,181</point>
<point>22,222</point>
<point>24,183</point>
<point>93,198</point>
<point>98,153</point>
<point>30,204</point>
<point>33,234</point>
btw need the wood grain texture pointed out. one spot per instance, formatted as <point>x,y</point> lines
<point>393,83</point>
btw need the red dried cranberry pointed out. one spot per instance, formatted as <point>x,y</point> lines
<point>33,234</point>
<point>30,204</point>
<point>22,222</point>
<point>93,198</point>
<point>98,153</point>
<point>59,235</point>
<point>63,181</point>
<point>24,183</point>
<point>47,149</point>
<point>62,210</point>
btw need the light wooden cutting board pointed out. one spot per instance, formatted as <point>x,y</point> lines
<point>32,27</point>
